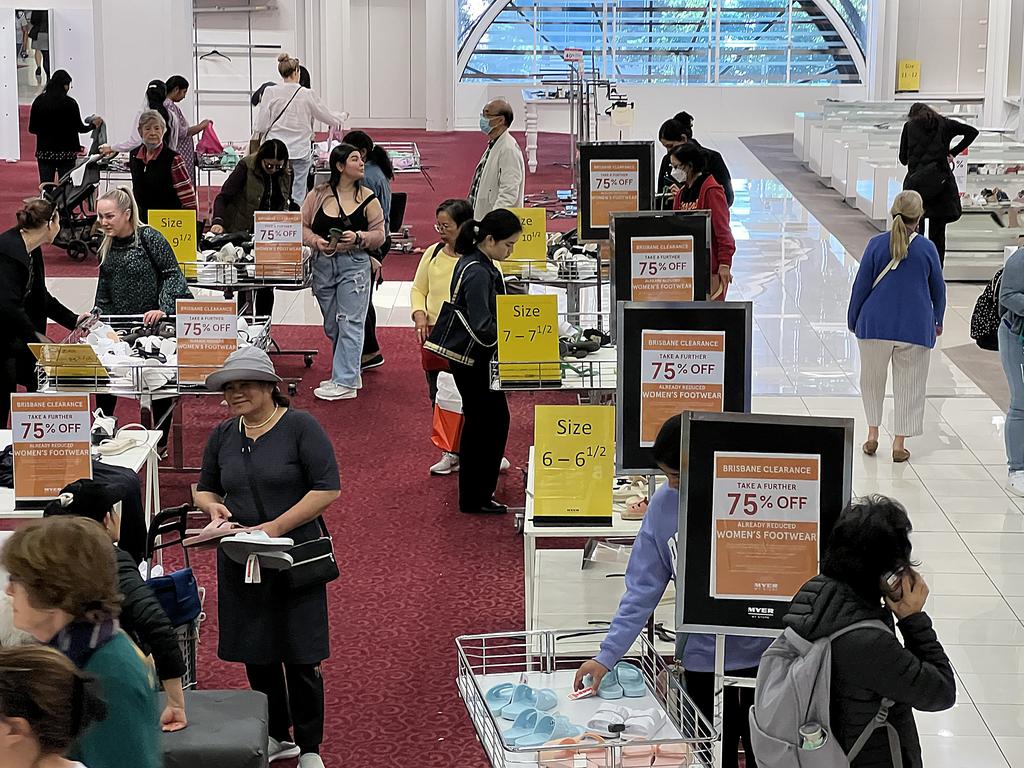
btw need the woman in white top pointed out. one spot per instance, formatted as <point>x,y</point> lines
<point>287,111</point>
<point>156,96</point>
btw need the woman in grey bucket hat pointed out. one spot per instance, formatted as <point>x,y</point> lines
<point>271,467</point>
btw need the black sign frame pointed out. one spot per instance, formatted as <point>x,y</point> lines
<point>641,151</point>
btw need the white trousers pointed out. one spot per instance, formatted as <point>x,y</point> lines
<point>909,382</point>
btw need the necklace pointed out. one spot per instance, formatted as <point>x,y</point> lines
<point>264,423</point>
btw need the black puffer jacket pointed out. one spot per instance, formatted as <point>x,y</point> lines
<point>868,665</point>
<point>925,148</point>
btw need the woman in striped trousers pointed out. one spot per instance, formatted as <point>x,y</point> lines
<point>896,310</point>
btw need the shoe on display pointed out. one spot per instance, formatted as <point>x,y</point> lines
<point>609,688</point>
<point>506,465</point>
<point>1015,483</point>
<point>374,362</point>
<point>645,723</point>
<point>499,696</point>
<point>281,750</point>
<point>524,697</point>
<point>103,427</point>
<point>333,391</point>
<point>490,508</point>
<point>606,716</point>
<point>449,463</point>
<point>549,728</point>
<point>631,680</point>
<point>524,725</point>
<point>311,760</point>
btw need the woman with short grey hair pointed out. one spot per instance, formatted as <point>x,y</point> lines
<point>160,179</point>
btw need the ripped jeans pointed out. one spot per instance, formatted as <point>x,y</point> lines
<point>341,285</point>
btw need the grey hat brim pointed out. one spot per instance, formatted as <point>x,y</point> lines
<point>220,379</point>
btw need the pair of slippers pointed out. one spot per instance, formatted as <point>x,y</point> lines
<point>639,723</point>
<point>509,700</point>
<point>533,728</point>
<point>623,680</point>
<point>256,550</point>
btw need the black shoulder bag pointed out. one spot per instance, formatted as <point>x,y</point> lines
<point>313,562</point>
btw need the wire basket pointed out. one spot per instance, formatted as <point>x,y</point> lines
<point>188,641</point>
<point>550,658</point>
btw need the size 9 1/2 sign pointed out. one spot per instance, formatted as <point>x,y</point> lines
<point>614,187</point>
<point>207,332</point>
<point>179,227</point>
<point>528,339</point>
<point>574,462</point>
<point>766,509</point>
<point>662,268</point>
<point>50,436</point>
<point>277,243</point>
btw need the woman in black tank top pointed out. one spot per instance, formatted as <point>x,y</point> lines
<point>342,220</point>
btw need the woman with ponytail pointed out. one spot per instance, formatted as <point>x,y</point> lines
<point>153,101</point>
<point>896,310</point>
<point>675,133</point>
<point>476,285</point>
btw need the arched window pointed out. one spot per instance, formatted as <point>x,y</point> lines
<point>695,42</point>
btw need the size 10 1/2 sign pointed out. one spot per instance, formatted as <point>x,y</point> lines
<point>531,251</point>
<point>614,187</point>
<point>662,268</point>
<point>277,243</point>
<point>179,227</point>
<point>767,512</point>
<point>50,436</point>
<point>528,340</point>
<point>207,332</point>
<point>574,463</point>
<point>679,371</point>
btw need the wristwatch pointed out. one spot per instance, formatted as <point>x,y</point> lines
<point>359,239</point>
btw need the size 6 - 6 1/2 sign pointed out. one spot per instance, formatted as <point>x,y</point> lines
<point>51,440</point>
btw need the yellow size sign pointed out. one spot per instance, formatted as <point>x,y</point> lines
<point>573,466</point>
<point>908,76</point>
<point>531,251</point>
<point>528,340</point>
<point>179,227</point>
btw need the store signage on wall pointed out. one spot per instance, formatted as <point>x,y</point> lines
<point>614,187</point>
<point>908,76</point>
<point>50,436</point>
<point>528,339</point>
<point>207,332</point>
<point>573,463</point>
<point>960,171</point>
<point>531,251</point>
<point>179,227</point>
<point>766,510</point>
<point>572,54</point>
<point>277,243</point>
<point>679,371</point>
<point>662,268</point>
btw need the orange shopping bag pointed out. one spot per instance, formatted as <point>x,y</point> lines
<point>447,423</point>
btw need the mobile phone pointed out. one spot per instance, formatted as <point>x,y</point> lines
<point>892,583</point>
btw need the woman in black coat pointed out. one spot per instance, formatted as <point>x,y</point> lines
<point>56,121</point>
<point>675,133</point>
<point>925,150</point>
<point>867,562</point>
<point>25,302</point>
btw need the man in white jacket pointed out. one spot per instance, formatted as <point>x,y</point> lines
<point>500,176</point>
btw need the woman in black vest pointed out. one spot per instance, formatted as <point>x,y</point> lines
<point>160,179</point>
<point>925,150</point>
<point>56,121</point>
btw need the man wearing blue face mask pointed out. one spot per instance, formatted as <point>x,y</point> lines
<point>500,177</point>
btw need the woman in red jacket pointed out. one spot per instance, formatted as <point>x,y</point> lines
<point>698,190</point>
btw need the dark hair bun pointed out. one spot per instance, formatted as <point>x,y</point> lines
<point>34,213</point>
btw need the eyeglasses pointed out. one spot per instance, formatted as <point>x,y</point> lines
<point>442,228</point>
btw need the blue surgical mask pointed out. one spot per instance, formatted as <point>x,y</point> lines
<point>485,124</point>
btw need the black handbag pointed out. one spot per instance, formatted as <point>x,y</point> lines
<point>452,336</point>
<point>313,562</point>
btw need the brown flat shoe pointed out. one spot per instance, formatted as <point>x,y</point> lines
<point>870,447</point>
<point>900,456</point>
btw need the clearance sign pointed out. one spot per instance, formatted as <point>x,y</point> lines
<point>680,371</point>
<point>662,268</point>
<point>614,187</point>
<point>50,435</point>
<point>766,509</point>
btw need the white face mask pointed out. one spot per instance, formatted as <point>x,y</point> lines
<point>679,174</point>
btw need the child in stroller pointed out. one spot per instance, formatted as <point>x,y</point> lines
<point>75,202</point>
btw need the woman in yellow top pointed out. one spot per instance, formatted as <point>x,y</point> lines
<point>431,288</point>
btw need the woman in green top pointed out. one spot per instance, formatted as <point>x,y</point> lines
<point>63,591</point>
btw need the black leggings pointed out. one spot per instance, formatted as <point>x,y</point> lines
<point>937,234</point>
<point>295,697</point>
<point>370,344</point>
<point>484,434</point>
<point>50,170</point>
<point>14,371</point>
<point>735,718</point>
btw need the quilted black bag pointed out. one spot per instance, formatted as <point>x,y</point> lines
<point>985,318</point>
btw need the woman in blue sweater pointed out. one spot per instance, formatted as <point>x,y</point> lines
<point>896,310</point>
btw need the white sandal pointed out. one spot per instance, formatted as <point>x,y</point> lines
<point>606,716</point>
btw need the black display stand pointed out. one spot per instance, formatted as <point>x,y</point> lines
<point>734,318</point>
<point>637,158</point>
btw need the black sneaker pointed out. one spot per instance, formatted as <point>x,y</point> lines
<point>374,362</point>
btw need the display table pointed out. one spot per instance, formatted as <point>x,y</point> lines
<point>135,459</point>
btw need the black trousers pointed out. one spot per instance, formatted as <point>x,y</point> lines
<point>295,698</point>
<point>370,344</point>
<point>484,433</point>
<point>50,170</point>
<point>937,234</point>
<point>735,718</point>
<point>16,370</point>
<point>263,302</point>
<point>161,413</point>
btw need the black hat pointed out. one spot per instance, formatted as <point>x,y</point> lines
<point>83,498</point>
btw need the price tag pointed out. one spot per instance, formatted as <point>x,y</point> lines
<point>528,334</point>
<point>960,172</point>
<point>574,463</point>
<point>277,243</point>
<point>767,512</point>
<point>531,251</point>
<point>207,333</point>
<point>614,187</point>
<point>51,442</point>
<point>679,371</point>
<point>662,268</point>
<point>179,227</point>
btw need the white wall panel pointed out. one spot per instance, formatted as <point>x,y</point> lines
<point>949,38</point>
<point>390,59</point>
<point>358,79</point>
<point>9,123</point>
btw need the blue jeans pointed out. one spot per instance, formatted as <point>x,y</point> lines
<point>300,171</point>
<point>341,285</point>
<point>1011,352</point>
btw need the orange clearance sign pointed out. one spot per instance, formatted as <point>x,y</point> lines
<point>614,187</point>
<point>277,244</point>
<point>662,268</point>
<point>50,437</point>
<point>766,509</point>
<point>680,371</point>
<point>207,333</point>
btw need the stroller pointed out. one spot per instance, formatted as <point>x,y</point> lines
<point>75,202</point>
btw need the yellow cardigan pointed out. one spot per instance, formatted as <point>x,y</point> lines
<point>432,285</point>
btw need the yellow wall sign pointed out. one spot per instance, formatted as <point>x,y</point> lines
<point>531,251</point>
<point>179,227</point>
<point>908,76</point>
<point>573,463</point>
<point>528,334</point>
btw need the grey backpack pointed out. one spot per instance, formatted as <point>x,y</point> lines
<point>794,682</point>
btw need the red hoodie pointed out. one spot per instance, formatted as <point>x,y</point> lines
<point>712,197</point>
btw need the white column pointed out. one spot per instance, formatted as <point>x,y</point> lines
<point>439,64</point>
<point>882,32</point>
<point>997,55</point>
<point>335,33</point>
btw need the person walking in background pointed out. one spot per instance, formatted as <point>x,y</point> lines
<point>925,150</point>
<point>287,112</point>
<point>56,121</point>
<point>379,173</point>
<point>182,141</point>
<point>896,310</point>
<point>39,33</point>
<point>160,179</point>
<point>678,131</point>
<point>1011,352</point>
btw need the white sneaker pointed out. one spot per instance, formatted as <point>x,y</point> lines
<point>449,463</point>
<point>1015,483</point>
<point>281,750</point>
<point>505,465</point>
<point>311,760</point>
<point>332,391</point>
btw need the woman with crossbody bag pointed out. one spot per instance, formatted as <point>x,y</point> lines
<point>896,311</point>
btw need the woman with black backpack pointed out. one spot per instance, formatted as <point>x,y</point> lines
<point>925,150</point>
